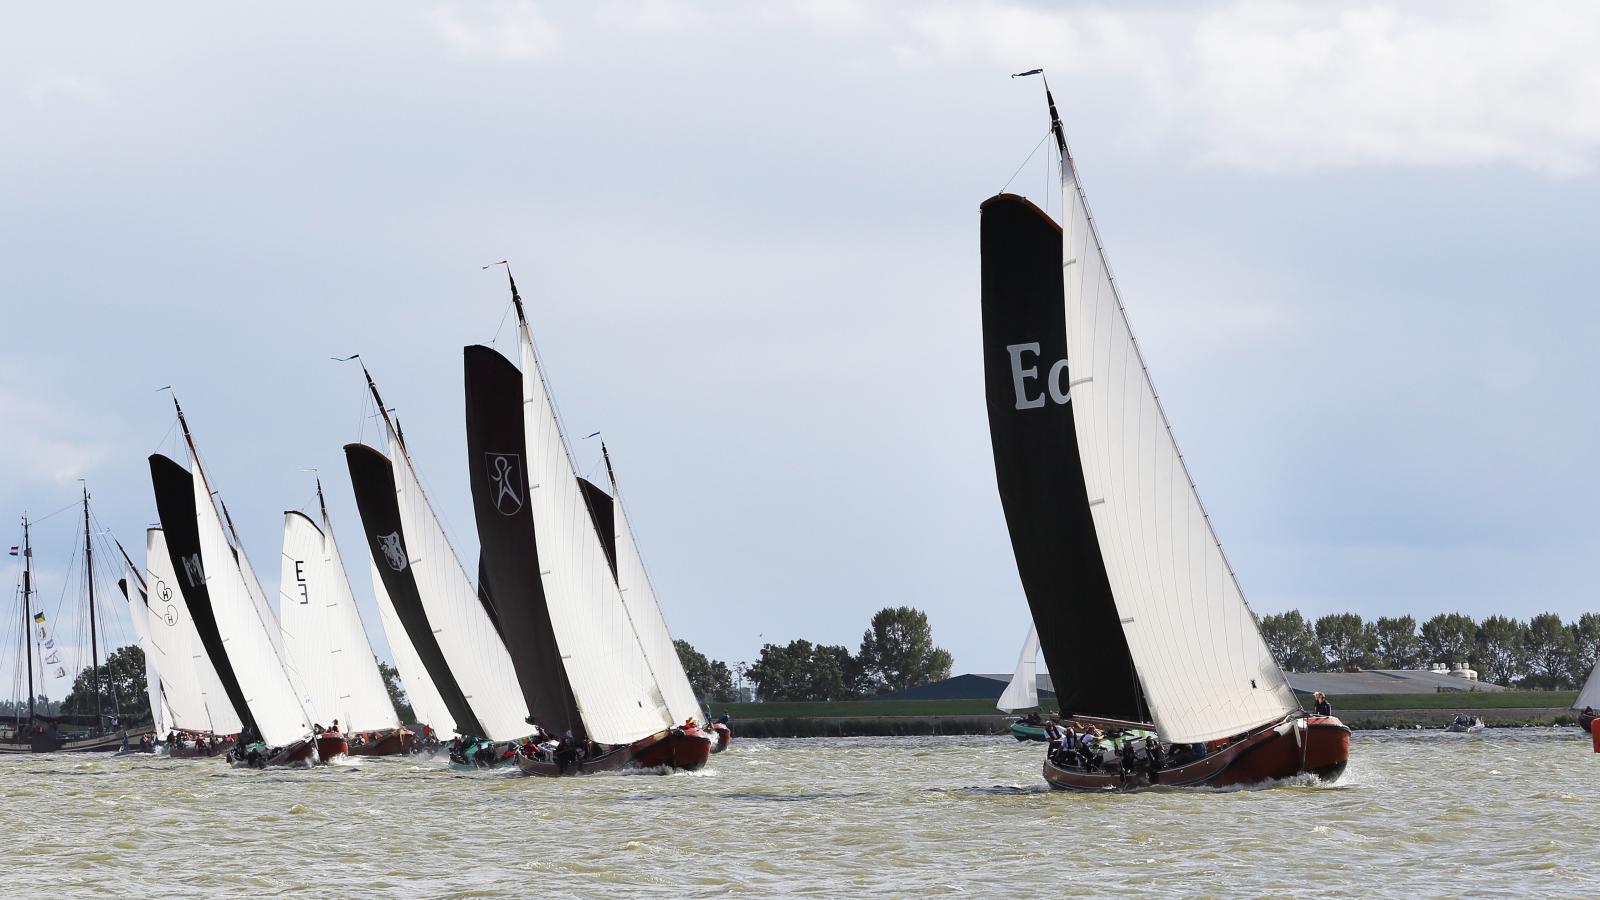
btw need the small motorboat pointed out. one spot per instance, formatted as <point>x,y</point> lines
<point>1465,724</point>
<point>1022,730</point>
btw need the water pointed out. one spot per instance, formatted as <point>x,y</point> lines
<point>1505,812</point>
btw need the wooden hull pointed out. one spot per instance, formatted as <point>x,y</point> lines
<point>297,753</point>
<point>724,737</point>
<point>618,758</point>
<point>44,742</point>
<point>1317,745</point>
<point>394,743</point>
<point>677,749</point>
<point>331,745</point>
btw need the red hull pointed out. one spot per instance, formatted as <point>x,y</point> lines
<point>394,743</point>
<point>331,745</point>
<point>1320,746</point>
<point>724,737</point>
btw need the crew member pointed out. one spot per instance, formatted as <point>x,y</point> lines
<point>1323,708</point>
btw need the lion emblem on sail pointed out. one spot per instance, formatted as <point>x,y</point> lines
<point>393,552</point>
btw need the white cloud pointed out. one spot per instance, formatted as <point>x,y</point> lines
<point>1275,85</point>
<point>50,87</point>
<point>507,31</point>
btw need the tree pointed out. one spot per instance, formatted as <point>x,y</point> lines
<point>1548,653</point>
<point>710,679</point>
<point>123,689</point>
<point>897,651</point>
<point>1395,642</point>
<point>1586,646</point>
<point>1500,649</point>
<point>1449,638</point>
<point>397,694</point>
<point>1345,644</point>
<point>1292,641</point>
<point>801,670</point>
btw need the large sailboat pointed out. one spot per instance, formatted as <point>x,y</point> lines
<point>1588,699</point>
<point>1140,618</point>
<point>231,614</point>
<point>563,571</point>
<point>326,644</point>
<point>442,616</point>
<point>38,647</point>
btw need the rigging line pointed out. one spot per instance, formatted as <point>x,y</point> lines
<point>1028,160</point>
<point>72,505</point>
<point>498,328</point>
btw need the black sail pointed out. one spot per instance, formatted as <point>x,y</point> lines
<point>1037,466</point>
<point>508,564</point>
<point>605,519</point>
<point>372,478</point>
<point>174,488</point>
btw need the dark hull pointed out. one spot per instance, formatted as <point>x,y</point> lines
<point>673,749</point>
<point>724,736</point>
<point>297,753</point>
<point>1028,732</point>
<point>179,752</point>
<point>394,743</point>
<point>1586,723</point>
<point>1320,748</point>
<point>48,743</point>
<point>331,745</point>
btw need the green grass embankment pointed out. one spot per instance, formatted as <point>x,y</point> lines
<point>839,709</point>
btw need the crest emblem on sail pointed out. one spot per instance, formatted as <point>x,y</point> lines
<point>505,477</point>
<point>164,592</point>
<point>393,553</point>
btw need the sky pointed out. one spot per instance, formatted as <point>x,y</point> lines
<point>1356,242</point>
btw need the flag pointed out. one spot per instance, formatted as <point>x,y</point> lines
<point>14,550</point>
<point>50,644</point>
<point>38,618</point>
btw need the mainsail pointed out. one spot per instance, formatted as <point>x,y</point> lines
<point>1037,466</point>
<point>1205,669</point>
<point>246,624</point>
<point>617,692</point>
<point>134,591</point>
<point>508,570</point>
<point>435,695</point>
<point>322,630</point>
<point>1023,691</point>
<point>190,685</point>
<point>1590,695</point>
<point>175,493</point>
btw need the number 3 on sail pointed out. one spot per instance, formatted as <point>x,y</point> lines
<point>1161,671</point>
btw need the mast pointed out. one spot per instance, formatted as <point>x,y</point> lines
<point>27,612</point>
<point>88,578</point>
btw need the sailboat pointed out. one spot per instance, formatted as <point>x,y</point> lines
<point>445,621</point>
<point>327,645</point>
<point>231,614</point>
<point>34,736</point>
<point>1588,699</point>
<point>201,719</point>
<point>564,574</point>
<point>1138,612</point>
<point>1022,692</point>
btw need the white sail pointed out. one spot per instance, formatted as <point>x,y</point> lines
<point>248,629</point>
<point>191,688</point>
<point>139,615</point>
<point>467,638</point>
<point>1023,691</point>
<point>611,680</point>
<point>426,704</point>
<point>1205,670</point>
<point>1590,695</point>
<point>322,633</point>
<point>645,610</point>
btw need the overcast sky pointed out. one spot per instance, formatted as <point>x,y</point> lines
<point>1356,241</point>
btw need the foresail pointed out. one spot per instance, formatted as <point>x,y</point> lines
<point>250,638</point>
<point>1023,691</point>
<point>1205,670</point>
<point>616,693</point>
<point>467,638</point>
<point>645,611</point>
<point>139,614</point>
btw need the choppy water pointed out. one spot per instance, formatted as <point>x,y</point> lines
<point>1505,812</point>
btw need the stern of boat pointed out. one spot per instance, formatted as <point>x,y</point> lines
<point>1327,747</point>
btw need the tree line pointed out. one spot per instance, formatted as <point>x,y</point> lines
<point>896,653</point>
<point>1542,653</point>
